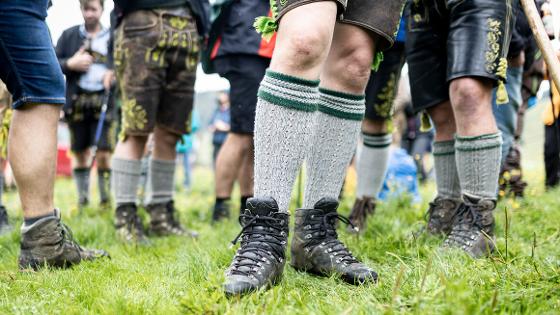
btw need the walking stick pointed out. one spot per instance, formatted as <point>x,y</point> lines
<point>100,123</point>
<point>534,19</point>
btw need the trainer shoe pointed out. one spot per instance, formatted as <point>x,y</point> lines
<point>221,211</point>
<point>48,242</point>
<point>441,215</point>
<point>363,207</point>
<point>164,223</point>
<point>128,224</point>
<point>259,261</point>
<point>5,226</point>
<point>473,228</point>
<point>316,248</point>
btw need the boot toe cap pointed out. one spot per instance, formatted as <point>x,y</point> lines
<point>361,275</point>
<point>235,287</point>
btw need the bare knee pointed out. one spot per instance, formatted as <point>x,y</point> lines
<point>470,96</point>
<point>444,121</point>
<point>304,49</point>
<point>164,144</point>
<point>103,159</point>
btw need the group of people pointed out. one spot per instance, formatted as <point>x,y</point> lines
<point>313,80</point>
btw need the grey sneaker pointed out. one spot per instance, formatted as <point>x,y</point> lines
<point>5,226</point>
<point>317,249</point>
<point>441,215</point>
<point>363,207</point>
<point>164,223</point>
<point>259,262</point>
<point>48,242</point>
<point>473,228</point>
<point>128,225</point>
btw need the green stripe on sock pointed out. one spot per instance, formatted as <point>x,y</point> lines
<point>444,153</point>
<point>291,79</point>
<point>273,99</point>
<point>340,114</point>
<point>353,97</point>
<point>481,148</point>
<point>481,137</point>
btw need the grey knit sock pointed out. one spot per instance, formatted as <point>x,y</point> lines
<point>478,164</point>
<point>104,184</point>
<point>283,122</point>
<point>335,135</point>
<point>447,179</point>
<point>81,177</point>
<point>160,181</point>
<point>126,174</point>
<point>372,164</point>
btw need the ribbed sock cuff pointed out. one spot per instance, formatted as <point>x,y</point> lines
<point>442,148</point>
<point>478,143</point>
<point>377,141</point>
<point>160,181</point>
<point>289,91</point>
<point>342,105</point>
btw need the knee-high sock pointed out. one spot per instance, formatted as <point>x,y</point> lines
<point>447,179</point>
<point>283,121</point>
<point>478,164</point>
<point>126,174</point>
<point>81,177</point>
<point>160,181</point>
<point>372,164</point>
<point>335,135</point>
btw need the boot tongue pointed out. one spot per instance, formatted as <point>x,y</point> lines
<point>262,206</point>
<point>327,204</point>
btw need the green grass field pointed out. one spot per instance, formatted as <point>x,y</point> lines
<point>176,275</point>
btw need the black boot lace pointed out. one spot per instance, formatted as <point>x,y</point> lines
<point>322,232</point>
<point>261,237</point>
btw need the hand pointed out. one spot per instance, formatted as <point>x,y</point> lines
<point>108,79</point>
<point>81,61</point>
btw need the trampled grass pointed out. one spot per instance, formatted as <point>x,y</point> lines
<point>175,275</point>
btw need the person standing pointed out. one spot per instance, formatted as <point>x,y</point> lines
<point>33,77</point>
<point>5,118</point>
<point>82,53</point>
<point>220,124</point>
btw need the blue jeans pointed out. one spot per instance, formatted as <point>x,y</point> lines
<point>28,63</point>
<point>506,114</point>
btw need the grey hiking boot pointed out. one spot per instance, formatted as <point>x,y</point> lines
<point>363,207</point>
<point>473,228</point>
<point>128,225</point>
<point>49,242</point>
<point>164,223</point>
<point>259,261</point>
<point>5,226</point>
<point>441,214</point>
<point>317,249</point>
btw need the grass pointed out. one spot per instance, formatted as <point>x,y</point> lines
<point>184,276</point>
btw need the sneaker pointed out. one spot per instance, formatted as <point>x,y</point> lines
<point>316,248</point>
<point>259,262</point>
<point>363,207</point>
<point>5,226</point>
<point>440,215</point>
<point>128,225</point>
<point>473,228</point>
<point>164,223</point>
<point>48,242</point>
<point>221,211</point>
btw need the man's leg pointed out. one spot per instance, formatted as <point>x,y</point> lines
<point>230,161</point>
<point>246,178</point>
<point>287,100</point>
<point>103,160</point>
<point>80,172</point>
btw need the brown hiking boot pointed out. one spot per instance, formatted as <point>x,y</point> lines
<point>316,248</point>
<point>473,228</point>
<point>164,223</point>
<point>128,225</point>
<point>363,207</point>
<point>48,242</point>
<point>441,214</point>
<point>259,261</point>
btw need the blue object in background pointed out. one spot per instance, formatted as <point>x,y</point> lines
<point>401,177</point>
<point>532,101</point>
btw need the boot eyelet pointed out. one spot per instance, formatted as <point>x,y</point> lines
<point>283,233</point>
<point>283,243</point>
<point>308,236</point>
<point>312,216</point>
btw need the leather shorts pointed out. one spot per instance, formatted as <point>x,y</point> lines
<point>378,16</point>
<point>450,39</point>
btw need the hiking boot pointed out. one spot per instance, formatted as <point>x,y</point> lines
<point>5,226</point>
<point>473,228</point>
<point>362,208</point>
<point>221,211</point>
<point>128,225</point>
<point>259,261</point>
<point>317,249</point>
<point>83,202</point>
<point>50,242</point>
<point>164,223</point>
<point>441,214</point>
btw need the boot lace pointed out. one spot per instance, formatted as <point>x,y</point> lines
<point>261,237</point>
<point>323,233</point>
